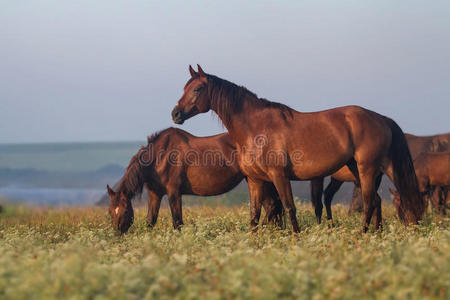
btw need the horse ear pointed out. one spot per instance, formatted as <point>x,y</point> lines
<point>200,71</point>
<point>192,71</point>
<point>111,193</point>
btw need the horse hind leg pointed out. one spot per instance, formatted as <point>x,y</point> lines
<point>283,186</point>
<point>316,197</point>
<point>377,210</point>
<point>368,177</point>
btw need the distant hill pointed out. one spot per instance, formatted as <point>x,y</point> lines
<point>74,167</point>
<point>66,157</point>
<point>32,178</point>
<point>62,172</point>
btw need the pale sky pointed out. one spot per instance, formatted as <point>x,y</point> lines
<point>108,70</point>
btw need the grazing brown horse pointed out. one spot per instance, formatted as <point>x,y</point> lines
<point>176,163</point>
<point>433,174</point>
<point>424,144</point>
<point>433,171</point>
<point>277,144</point>
<point>416,144</point>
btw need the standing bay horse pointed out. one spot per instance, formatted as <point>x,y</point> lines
<point>176,163</point>
<point>416,144</point>
<point>277,144</point>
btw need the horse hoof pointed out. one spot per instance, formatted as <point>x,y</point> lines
<point>330,223</point>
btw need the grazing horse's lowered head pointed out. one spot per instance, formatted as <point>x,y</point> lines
<point>120,210</point>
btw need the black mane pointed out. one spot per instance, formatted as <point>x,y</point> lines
<point>132,182</point>
<point>228,98</point>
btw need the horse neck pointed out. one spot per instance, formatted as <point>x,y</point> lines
<point>235,117</point>
<point>132,181</point>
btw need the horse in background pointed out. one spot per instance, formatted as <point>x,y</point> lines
<point>277,144</point>
<point>176,163</point>
<point>426,144</point>
<point>417,145</point>
<point>433,172</point>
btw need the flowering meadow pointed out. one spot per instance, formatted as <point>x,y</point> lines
<point>56,253</point>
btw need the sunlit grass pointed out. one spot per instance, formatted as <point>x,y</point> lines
<point>72,252</point>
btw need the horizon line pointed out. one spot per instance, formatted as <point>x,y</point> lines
<point>71,142</point>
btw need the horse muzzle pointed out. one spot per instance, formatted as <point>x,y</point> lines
<point>177,116</point>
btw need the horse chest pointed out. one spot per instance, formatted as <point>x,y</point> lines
<point>253,163</point>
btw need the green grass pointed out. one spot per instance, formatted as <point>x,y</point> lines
<point>73,253</point>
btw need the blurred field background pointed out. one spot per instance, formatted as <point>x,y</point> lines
<point>55,243</point>
<point>73,253</point>
<point>61,173</point>
<point>77,174</point>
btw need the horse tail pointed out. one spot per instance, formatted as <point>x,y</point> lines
<point>412,206</point>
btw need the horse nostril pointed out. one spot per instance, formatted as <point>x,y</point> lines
<point>176,114</point>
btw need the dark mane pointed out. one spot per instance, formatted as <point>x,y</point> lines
<point>154,136</point>
<point>132,181</point>
<point>228,98</point>
<point>171,131</point>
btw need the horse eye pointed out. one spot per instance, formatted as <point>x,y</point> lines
<point>197,90</point>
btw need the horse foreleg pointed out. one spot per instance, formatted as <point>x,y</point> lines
<point>316,197</point>
<point>154,203</point>
<point>329,193</point>
<point>356,204</point>
<point>256,190</point>
<point>272,205</point>
<point>432,196</point>
<point>442,199</point>
<point>176,209</point>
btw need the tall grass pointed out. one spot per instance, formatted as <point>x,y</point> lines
<point>73,253</point>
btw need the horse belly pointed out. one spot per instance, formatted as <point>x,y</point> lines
<point>314,171</point>
<point>321,146</point>
<point>440,176</point>
<point>212,181</point>
<point>344,174</point>
<point>322,163</point>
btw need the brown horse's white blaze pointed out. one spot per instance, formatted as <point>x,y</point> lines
<point>365,141</point>
<point>120,210</point>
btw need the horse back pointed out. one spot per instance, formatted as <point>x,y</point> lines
<point>433,168</point>
<point>203,166</point>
